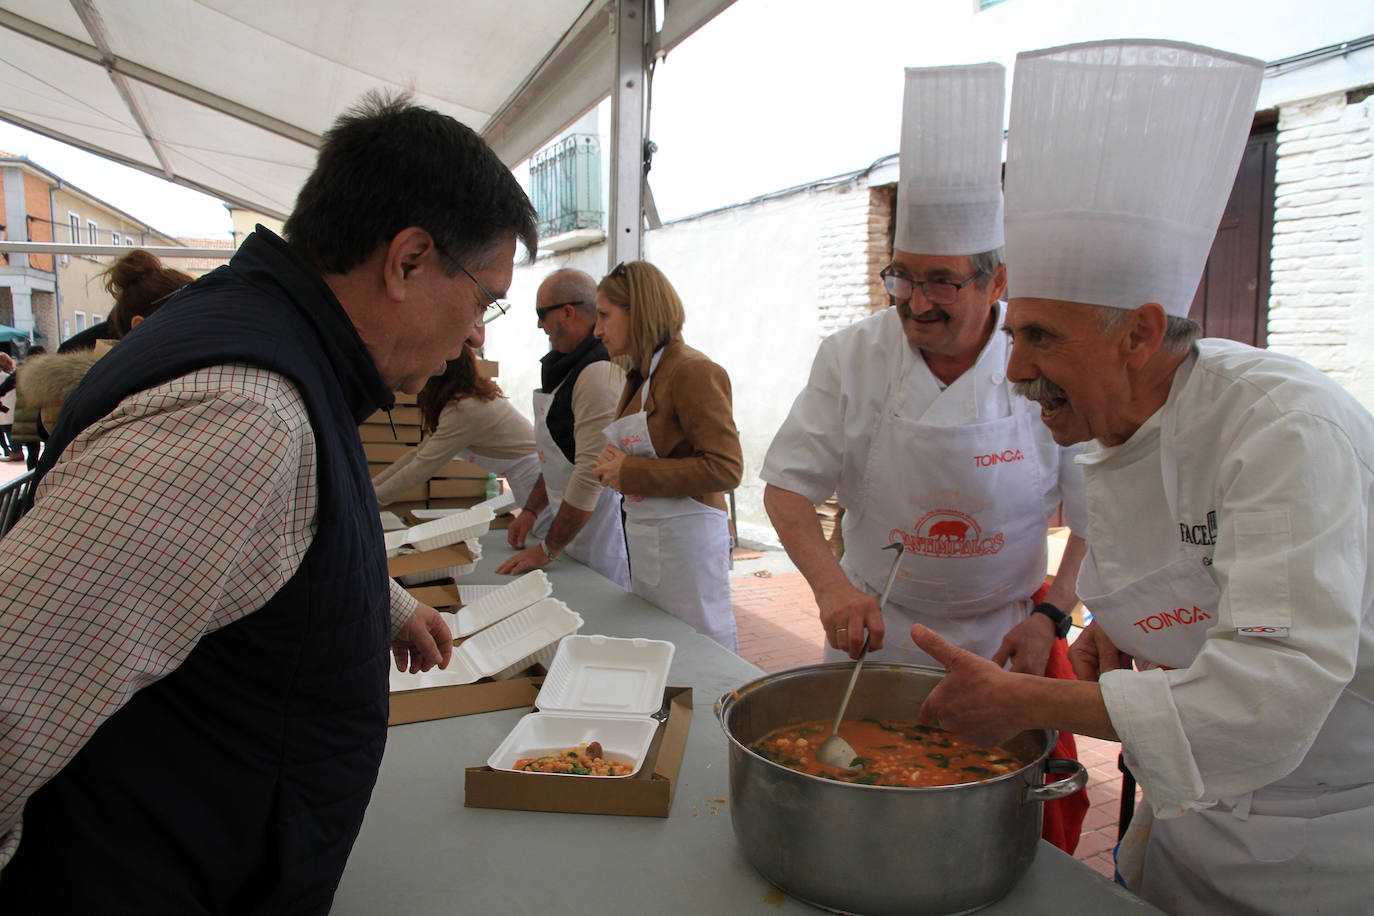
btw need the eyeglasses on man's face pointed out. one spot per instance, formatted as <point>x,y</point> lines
<point>940,291</point>
<point>487,316</point>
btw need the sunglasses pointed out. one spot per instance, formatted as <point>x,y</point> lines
<point>541,312</point>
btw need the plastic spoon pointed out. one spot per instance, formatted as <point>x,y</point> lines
<point>836,751</point>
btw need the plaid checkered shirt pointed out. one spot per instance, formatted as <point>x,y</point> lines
<point>180,512</point>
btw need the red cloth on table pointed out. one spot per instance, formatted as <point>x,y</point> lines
<point>1063,819</point>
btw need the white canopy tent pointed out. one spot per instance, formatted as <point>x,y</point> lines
<point>231,97</point>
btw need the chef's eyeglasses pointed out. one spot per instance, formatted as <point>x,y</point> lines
<point>937,292</point>
<point>487,316</point>
<point>539,313</point>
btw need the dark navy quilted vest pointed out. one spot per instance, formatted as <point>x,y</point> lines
<point>237,783</point>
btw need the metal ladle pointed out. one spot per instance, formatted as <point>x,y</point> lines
<point>835,751</point>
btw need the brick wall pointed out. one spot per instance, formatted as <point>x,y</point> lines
<point>1322,287</point>
<point>844,289</point>
<point>882,200</point>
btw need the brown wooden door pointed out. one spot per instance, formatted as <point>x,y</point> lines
<point>1232,299</point>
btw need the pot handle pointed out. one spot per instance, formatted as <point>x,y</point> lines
<point>1051,791</point>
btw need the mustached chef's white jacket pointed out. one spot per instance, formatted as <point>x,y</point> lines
<point>1272,720</point>
<point>825,444</point>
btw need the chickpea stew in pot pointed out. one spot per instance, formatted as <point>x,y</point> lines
<point>890,754</point>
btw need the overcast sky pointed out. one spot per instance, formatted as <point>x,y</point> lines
<point>776,93</point>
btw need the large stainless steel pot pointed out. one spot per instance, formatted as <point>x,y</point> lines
<point>874,850</point>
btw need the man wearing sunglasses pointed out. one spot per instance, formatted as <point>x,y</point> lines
<point>579,392</point>
<point>194,632</point>
<point>908,415</point>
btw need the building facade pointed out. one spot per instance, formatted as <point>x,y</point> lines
<point>56,296</point>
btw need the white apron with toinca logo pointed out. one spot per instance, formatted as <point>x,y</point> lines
<point>968,503</point>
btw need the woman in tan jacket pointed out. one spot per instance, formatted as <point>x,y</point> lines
<point>674,452</point>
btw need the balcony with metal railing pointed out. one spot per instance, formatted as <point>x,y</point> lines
<point>565,179</point>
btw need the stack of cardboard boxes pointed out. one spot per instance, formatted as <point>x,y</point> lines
<point>457,485</point>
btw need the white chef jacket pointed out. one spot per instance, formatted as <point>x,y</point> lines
<point>1274,488</point>
<point>824,445</point>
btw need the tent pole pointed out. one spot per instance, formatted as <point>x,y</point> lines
<point>627,127</point>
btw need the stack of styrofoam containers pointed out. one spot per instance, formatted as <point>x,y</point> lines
<point>497,505</point>
<point>465,526</point>
<point>599,688</point>
<point>503,633</point>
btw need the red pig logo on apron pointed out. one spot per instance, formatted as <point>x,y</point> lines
<point>948,533</point>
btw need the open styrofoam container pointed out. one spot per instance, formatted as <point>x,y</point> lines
<point>517,640</point>
<point>599,688</point>
<point>441,532</point>
<point>502,602</point>
<point>497,505</point>
<point>446,572</point>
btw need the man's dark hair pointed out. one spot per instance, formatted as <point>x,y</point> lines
<point>387,164</point>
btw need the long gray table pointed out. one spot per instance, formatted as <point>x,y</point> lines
<point>422,852</point>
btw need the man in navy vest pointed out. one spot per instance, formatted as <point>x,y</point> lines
<point>196,612</point>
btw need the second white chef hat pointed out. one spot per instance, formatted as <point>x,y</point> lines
<point>1120,159</point>
<point>949,193</point>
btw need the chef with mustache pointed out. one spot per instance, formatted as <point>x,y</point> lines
<point>1231,572</point>
<point>908,415</point>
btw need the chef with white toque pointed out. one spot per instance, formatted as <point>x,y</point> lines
<point>908,415</point>
<point>1229,493</point>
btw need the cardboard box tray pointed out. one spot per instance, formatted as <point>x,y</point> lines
<point>649,793</point>
<point>463,699</point>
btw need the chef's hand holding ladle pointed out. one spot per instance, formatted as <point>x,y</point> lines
<point>836,751</point>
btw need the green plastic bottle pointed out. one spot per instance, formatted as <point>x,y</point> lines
<point>493,486</point>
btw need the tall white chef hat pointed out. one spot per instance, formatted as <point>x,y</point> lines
<point>949,194</point>
<point>1120,159</point>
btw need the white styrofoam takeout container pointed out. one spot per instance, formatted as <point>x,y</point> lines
<point>599,688</point>
<point>445,572</point>
<point>497,505</point>
<point>511,645</point>
<point>499,604</point>
<point>464,525</point>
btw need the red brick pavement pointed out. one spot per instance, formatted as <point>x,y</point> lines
<point>778,629</point>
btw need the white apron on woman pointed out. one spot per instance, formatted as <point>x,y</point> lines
<point>971,505</point>
<point>601,542</point>
<point>1243,854</point>
<point>679,547</point>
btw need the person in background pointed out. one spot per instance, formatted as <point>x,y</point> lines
<point>674,452</point>
<point>10,450</point>
<point>580,386</point>
<point>26,431</point>
<point>1230,569</point>
<point>195,613</point>
<point>909,416</point>
<point>466,416</point>
<point>139,284</point>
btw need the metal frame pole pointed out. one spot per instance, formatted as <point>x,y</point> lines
<point>632,30</point>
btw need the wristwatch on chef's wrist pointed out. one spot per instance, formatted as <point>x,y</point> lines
<point>1061,621</point>
<point>553,556</point>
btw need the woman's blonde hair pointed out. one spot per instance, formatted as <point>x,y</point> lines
<point>656,314</point>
